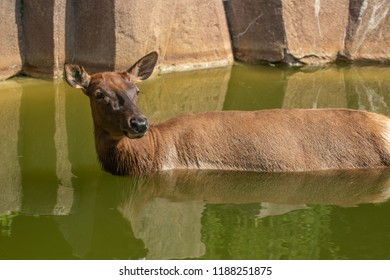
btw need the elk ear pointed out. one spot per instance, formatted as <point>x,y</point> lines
<point>76,76</point>
<point>143,68</point>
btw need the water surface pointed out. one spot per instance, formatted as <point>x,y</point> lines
<point>56,203</point>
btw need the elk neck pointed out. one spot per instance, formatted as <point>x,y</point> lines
<point>124,156</point>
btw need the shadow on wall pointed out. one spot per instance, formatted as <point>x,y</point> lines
<point>38,47</point>
<point>95,49</point>
<point>46,42</point>
<point>43,52</point>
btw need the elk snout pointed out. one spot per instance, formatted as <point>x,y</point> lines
<point>139,125</point>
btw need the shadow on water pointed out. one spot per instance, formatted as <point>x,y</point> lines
<point>56,203</point>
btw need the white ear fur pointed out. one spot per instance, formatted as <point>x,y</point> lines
<point>143,68</point>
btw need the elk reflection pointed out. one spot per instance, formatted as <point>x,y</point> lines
<point>165,209</point>
<point>343,188</point>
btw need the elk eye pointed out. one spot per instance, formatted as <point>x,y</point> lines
<point>99,95</point>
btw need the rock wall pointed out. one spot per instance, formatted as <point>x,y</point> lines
<point>43,38</point>
<point>257,29</point>
<point>368,33</point>
<point>186,34</point>
<point>310,32</point>
<point>39,36</point>
<point>10,47</point>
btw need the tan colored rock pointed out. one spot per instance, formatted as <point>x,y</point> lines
<point>310,32</point>
<point>368,33</point>
<point>186,34</point>
<point>108,35</point>
<point>315,29</point>
<point>293,31</point>
<point>10,27</point>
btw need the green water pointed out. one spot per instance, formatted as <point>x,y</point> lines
<point>56,203</point>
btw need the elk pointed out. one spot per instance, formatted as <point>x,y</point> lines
<point>275,140</point>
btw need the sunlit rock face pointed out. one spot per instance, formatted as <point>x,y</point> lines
<point>11,62</point>
<point>310,32</point>
<point>368,33</point>
<point>37,38</point>
<point>315,29</point>
<point>186,34</point>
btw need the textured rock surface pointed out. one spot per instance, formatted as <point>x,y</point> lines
<point>90,34</point>
<point>39,37</point>
<point>315,30</point>
<point>257,29</point>
<point>186,34</point>
<point>368,33</point>
<point>43,37</point>
<point>112,34</point>
<point>311,32</point>
<point>11,60</point>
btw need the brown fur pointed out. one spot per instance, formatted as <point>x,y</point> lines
<point>269,140</point>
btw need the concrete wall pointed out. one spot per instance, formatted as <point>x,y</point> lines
<point>39,36</point>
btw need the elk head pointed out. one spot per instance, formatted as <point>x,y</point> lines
<point>113,96</point>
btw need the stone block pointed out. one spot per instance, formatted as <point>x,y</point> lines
<point>257,30</point>
<point>187,34</point>
<point>315,29</point>
<point>368,33</point>
<point>90,34</point>
<point>43,37</point>
<point>10,43</point>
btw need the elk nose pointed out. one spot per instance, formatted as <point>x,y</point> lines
<point>139,124</point>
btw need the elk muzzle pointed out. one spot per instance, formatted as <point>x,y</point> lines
<point>137,127</point>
